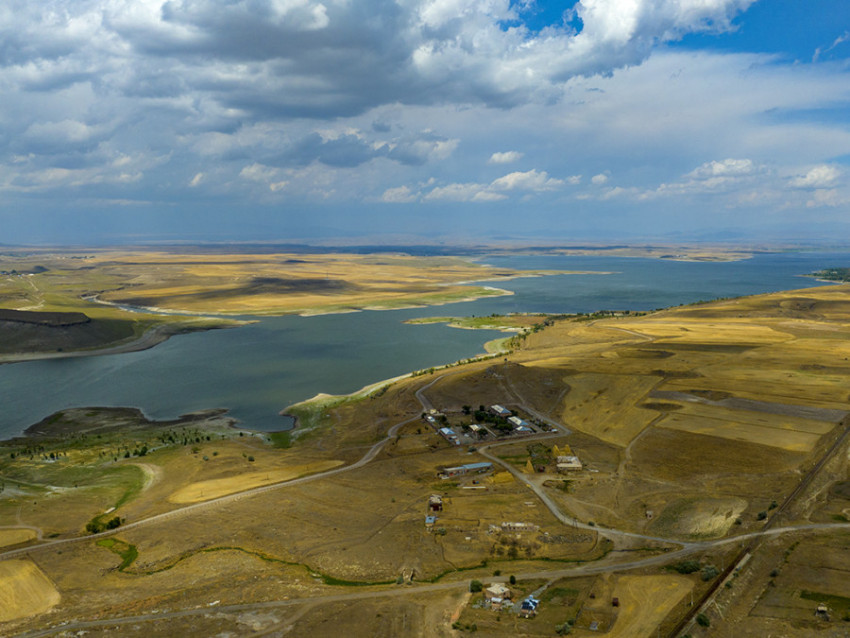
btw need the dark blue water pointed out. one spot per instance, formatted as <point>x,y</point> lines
<point>257,370</point>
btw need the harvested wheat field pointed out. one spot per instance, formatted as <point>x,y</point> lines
<point>644,603</point>
<point>15,536</point>
<point>215,488</point>
<point>24,590</point>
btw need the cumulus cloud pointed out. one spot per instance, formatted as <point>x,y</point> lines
<point>506,157</point>
<point>820,176</point>
<point>599,179</point>
<point>723,168</point>
<point>532,180</point>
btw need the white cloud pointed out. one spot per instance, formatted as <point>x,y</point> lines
<point>532,180</point>
<point>723,168</point>
<point>819,176</point>
<point>831,198</point>
<point>401,194</point>
<point>258,173</point>
<point>196,180</point>
<point>506,157</point>
<point>599,179</point>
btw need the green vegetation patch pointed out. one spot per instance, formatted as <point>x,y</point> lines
<point>127,552</point>
<point>281,440</point>
<point>832,274</point>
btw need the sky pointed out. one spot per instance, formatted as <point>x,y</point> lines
<point>133,121</point>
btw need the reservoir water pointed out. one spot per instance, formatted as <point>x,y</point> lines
<point>257,370</point>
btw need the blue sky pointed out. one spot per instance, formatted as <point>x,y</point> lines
<point>424,120</point>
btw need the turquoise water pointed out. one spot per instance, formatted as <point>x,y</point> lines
<point>257,370</point>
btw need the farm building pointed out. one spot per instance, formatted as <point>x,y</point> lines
<point>469,468</point>
<point>499,410</point>
<point>568,464</point>
<point>429,521</point>
<point>435,503</point>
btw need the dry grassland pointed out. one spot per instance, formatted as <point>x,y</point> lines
<point>24,590</point>
<point>698,517</point>
<point>814,571</point>
<point>604,405</point>
<point>214,488</point>
<point>289,283</point>
<point>15,536</point>
<point>644,603</point>
<point>788,433</point>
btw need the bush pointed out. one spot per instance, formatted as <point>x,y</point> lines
<point>703,620</point>
<point>761,515</point>
<point>475,586</point>
<point>512,580</point>
<point>686,567</point>
<point>709,572</point>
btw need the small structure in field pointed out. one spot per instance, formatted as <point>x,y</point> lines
<point>528,608</point>
<point>429,521</point>
<point>822,612</point>
<point>615,602</point>
<point>435,503</point>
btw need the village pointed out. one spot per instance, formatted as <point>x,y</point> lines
<point>496,423</point>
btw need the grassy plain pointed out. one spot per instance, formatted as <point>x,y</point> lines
<point>753,371</point>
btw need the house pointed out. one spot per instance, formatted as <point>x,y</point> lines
<point>499,410</point>
<point>517,422</point>
<point>430,520</point>
<point>449,435</point>
<point>496,603</point>
<point>568,464</point>
<point>476,429</point>
<point>528,608</point>
<point>497,590</point>
<point>435,503</point>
